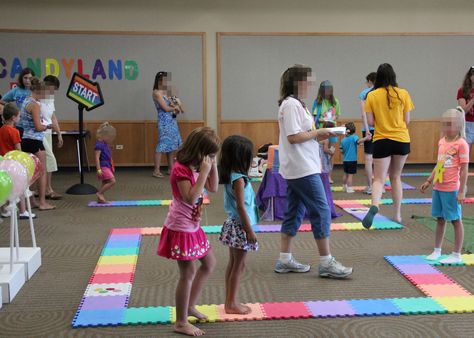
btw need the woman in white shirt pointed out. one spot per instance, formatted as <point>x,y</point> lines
<point>300,166</point>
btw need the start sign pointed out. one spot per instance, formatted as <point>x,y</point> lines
<point>85,92</point>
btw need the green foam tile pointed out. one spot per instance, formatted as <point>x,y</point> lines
<point>119,251</point>
<point>212,229</point>
<point>419,305</point>
<point>148,315</point>
<point>387,225</point>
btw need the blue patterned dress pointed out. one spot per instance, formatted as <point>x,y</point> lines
<point>169,138</point>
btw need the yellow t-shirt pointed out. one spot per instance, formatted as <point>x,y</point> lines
<point>389,122</point>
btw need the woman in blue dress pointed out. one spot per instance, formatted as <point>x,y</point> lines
<point>169,139</point>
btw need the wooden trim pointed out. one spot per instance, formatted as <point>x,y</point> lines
<point>95,32</point>
<point>219,83</point>
<point>219,34</point>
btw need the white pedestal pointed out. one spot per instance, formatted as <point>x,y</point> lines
<point>11,283</point>
<point>30,257</point>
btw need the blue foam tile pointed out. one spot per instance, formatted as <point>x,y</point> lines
<point>396,260</point>
<point>121,244</point>
<point>374,307</point>
<point>120,251</point>
<point>87,318</point>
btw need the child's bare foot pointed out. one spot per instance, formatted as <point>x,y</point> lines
<point>188,329</point>
<point>195,313</point>
<point>101,198</point>
<point>238,309</point>
<point>46,206</point>
<point>397,219</point>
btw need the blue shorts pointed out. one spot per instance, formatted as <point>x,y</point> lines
<point>469,132</point>
<point>445,205</point>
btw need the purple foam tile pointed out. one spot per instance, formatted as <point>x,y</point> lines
<point>415,269</point>
<point>94,204</point>
<point>101,302</point>
<point>269,227</point>
<point>333,308</point>
<point>124,237</point>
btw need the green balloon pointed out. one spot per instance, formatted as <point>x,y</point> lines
<point>6,185</point>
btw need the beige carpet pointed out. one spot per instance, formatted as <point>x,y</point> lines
<point>72,237</point>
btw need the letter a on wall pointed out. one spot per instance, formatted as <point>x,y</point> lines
<point>85,92</point>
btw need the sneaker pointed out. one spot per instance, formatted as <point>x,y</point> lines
<point>26,215</point>
<point>334,270</point>
<point>291,266</point>
<point>6,214</point>
<point>349,190</point>
<point>369,217</point>
<point>434,256</point>
<point>368,190</point>
<point>454,258</point>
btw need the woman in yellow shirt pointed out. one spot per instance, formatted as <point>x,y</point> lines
<point>388,110</point>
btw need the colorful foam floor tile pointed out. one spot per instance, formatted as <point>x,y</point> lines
<point>443,290</point>
<point>457,304</point>
<point>285,310</point>
<point>148,315</point>
<point>115,289</point>
<point>331,308</point>
<point>419,305</point>
<point>374,307</point>
<point>138,203</point>
<point>256,313</point>
<point>209,310</point>
<point>102,303</point>
<point>91,318</point>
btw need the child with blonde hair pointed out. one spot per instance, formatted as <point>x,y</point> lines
<point>450,177</point>
<point>103,159</point>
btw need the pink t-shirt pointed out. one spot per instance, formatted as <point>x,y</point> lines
<point>453,154</point>
<point>182,216</point>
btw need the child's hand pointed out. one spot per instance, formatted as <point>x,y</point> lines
<point>425,186</point>
<point>251,238</point>
<point>206,165</point>
<point>99,172</point>
<point>461,196</point>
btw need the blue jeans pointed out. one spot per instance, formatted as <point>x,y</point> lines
<point>307,192</point>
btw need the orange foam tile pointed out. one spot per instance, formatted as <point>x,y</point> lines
<point>443,290</point>
<point>255,314</point>
<point>151,231</point>
<point>338,226</point>
<point>114,268</point>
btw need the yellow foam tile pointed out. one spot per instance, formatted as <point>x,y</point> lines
<point>468,259</point>
<point>354,226</point>
<point>129,259</point>
<point>209,310</point>
<point>151,231</point>
<point>457,304</point>
<point>166,202</point>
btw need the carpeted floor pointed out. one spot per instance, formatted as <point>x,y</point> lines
<point>72,237</point>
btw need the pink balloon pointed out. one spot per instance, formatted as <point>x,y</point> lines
<point>19,176</point>
<point>38,168</point>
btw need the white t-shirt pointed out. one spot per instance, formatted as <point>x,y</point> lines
<point>300,159</point>
<point>47,110</point>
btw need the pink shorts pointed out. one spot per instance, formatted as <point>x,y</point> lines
<point>107,174</point>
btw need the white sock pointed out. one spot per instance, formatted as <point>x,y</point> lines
<point>434,255</point>
<point>456,254</point>
<point>437,250</point>
<point>324,260</point>
<point>285,257</point>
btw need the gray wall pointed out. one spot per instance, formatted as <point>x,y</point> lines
<point>431,68</point>
<point>124,99</point>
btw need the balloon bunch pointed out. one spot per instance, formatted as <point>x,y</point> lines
<point>18,170</point>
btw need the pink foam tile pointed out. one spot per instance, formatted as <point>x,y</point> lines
<point>152,231</point>
<point>255,314</point>
<point>286,310</point>
<point>354,206</point>
<point>112,278</point>
<point>126,231</point>
<point>305,227</point>
<point>443,290</point>
<point>338,226</point>
<point>434,278</point>
<point>114,268</point>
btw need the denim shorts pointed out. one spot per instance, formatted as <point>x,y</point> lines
<point>469,132</point>
<point>307,193</point>
<point>445,205</point>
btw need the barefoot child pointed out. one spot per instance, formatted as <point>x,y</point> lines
<point>182,238</point>
<point>241,207</point>
<point>450,177</point>
<point>103,159</point>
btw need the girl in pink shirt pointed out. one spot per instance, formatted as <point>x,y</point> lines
<point>450,177</point>
<point>182,238</point>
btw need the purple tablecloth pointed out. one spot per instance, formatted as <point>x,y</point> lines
<point>272,195</point>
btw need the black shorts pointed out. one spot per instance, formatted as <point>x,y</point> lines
<point>350,167</point>
<point>386,147</point>
<point>31,146</point>
<point>368,145</point>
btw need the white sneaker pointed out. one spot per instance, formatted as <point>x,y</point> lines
<point>452,259</point>
<point>334,270</point>
<point>26,215</point>
<point>349,190</point>
<point>368,190</point>
<point>434,256</point>
<point>6,214</point>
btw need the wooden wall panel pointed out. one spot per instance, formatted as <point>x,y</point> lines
<point>424,137</point>
<point>138,139</point>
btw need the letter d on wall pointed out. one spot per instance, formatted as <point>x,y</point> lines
<point>131,70</point>
<point>51,67</point>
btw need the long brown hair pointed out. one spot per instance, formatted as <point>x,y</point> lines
<point>321,94</point>
<point>386,78</point>
<point>200,143</point>
<point>289,81</point>
<point>467,84</point>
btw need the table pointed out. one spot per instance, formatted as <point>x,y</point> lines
<point>75,134</point>
<point>271,196</point>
